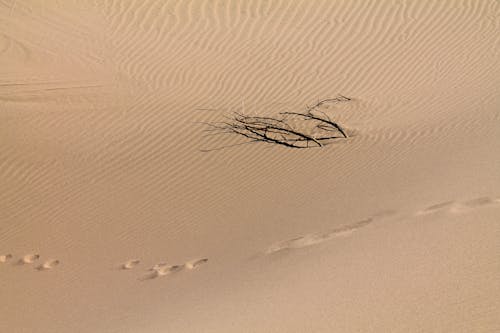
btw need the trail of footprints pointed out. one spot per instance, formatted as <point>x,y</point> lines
<point>158,270</point>
<point>30,259</point>
<point>162,268</point>
<point>447,207</point>
<point>454,207</point>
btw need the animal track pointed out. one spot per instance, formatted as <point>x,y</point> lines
<point>316,238</point>
<point>5,257</point>
<point>195,263</point>
<point>29,259</point>
<point>163,269</point>
<point>435,208</point>
<point>482,201</point>
<point>129,264</point>
<point>49,264</point>
<point>459,207</point>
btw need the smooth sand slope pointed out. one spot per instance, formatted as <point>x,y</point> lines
<point>113,219</point>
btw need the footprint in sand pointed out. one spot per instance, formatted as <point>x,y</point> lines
<point>317,238</point>
<point>158,266</point>
<point>195,263</point>
<point>169,270</point>
<point>161,270</point>
<point>29,258</point>
<point>49,264</point>
<point>459,207</point>
<point>440,207</point>
<point>472,204</point>
<point>129,264</point>
<point>5,257</point>
<point>482,201</point>
<point>296,243</point>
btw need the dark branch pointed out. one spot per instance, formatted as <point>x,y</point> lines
<point>283,129</point>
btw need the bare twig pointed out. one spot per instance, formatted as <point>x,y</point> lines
<point>283,129</point>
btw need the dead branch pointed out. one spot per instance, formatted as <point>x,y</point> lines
<point>285,129</point>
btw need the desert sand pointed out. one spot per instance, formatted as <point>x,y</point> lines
<point>119,214</point>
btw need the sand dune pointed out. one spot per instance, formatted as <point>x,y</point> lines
<point>112,197</point>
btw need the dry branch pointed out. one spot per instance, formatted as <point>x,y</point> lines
<point>284,129</point>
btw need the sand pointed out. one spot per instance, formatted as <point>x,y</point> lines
<point>114,219</point>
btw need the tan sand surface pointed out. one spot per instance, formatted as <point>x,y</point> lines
<point>113,218</point>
